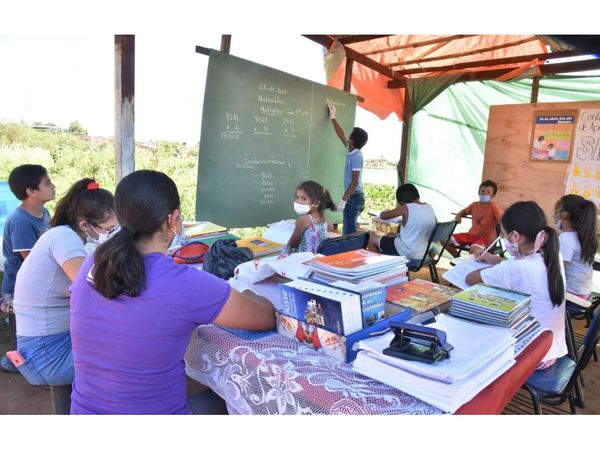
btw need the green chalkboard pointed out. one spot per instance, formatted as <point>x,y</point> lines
<point>263,132</point>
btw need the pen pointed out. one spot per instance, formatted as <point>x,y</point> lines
<point>488,247</point>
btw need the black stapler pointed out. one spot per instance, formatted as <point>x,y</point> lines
<point>418,343</point>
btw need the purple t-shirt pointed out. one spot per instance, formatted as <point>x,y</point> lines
<point>128,352</point>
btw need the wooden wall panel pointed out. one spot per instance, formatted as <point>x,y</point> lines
<point>507,150</point>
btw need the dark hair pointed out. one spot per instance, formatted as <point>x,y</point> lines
<point>318,193</point>
<point>582,215</point>
<point>143,201</point>
<point>528,219</point>
<point>81,202</point>
<point>27,176</point>
<point>407,193</point>
<point>359,136</point>
<point>489,183</point>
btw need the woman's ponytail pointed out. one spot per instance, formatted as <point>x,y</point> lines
<point>143,201</point>
<point>556,285</point>
<point>119,266</point>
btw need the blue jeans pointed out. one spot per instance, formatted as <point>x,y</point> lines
<point>48,359</point>
<point>354,206</point>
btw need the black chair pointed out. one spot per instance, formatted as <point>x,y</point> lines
<point>341,244</point>
<point>441,233</point>
<point>579,312</point>
<point>558,382</point>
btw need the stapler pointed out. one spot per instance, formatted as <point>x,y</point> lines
<point>418,343</point>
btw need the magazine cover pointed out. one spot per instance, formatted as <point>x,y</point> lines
<point>492,298</point>
<point>420,295</point>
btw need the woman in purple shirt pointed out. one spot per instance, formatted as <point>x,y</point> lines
<point>133,309</point>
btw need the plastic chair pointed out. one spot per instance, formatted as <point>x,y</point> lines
<point>441,232</point>
<point>341,244</point>
<point>579,312</point>
<point>494,398</point>
<point>556,384</point>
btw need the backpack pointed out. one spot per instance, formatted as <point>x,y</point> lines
<point>224,256</point>
<point>190,253</point>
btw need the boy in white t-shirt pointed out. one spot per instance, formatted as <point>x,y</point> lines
<point>418,221</point>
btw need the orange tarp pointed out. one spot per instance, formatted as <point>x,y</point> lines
<point>372,85</point>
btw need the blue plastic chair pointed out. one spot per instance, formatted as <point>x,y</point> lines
<point>8,203</point>
<point>558,382</point>
<point>341,244</point>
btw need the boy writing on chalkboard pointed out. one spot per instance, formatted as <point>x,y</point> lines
<point>353,200</point>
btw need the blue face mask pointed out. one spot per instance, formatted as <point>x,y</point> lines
<point>485,198</point>
<point>178,241</point>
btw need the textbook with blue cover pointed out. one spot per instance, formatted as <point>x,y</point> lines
<point>336,310</point>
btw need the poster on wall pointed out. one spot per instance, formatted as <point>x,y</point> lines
<point>584,170</point>
<point>553,133</point>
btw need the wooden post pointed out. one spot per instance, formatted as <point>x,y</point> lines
<point>348,75</point>
<point>124,105</point>
<point>535,87</point>
<point>225,43</point>
<point>405,146</point>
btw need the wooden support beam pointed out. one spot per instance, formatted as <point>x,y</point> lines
<point>225,43</point>
<point>326,42</point>
<point>546,69</point>
<point>471,52</point>
<point>345,40</point>
<point>535,87</point>
<point>492,62</point>
<point>348,75</point>
<point>421,43</point>
<point>202,50</point>
<point>401,167</point>
<point>124,105</point>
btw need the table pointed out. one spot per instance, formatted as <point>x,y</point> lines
<point>277,375</point>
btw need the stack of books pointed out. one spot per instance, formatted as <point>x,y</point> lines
<point>206,232</point>
<point>332,318</point>
<point>481,354</point>
<point>419,296</point>
<point>260,246</point>
<point>492,305</point>
<point>359,266</point>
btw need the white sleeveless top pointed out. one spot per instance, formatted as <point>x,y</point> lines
<point>412,239</point>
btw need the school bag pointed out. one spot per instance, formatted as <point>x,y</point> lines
<point>224,256</point>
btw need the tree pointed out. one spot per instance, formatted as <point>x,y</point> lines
<point>77,129</point>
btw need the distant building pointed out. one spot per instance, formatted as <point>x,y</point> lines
<point>49,128</point>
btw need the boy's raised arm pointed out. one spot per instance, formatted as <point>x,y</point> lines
<point>336,125</point>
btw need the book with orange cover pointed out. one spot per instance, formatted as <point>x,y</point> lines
<point>418,295</point>
<point>260,246</point>
<point>357,262</point>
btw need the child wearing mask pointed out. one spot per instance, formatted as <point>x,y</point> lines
<point>485,217</point>
<point>42,298</point>
<point>576,218</point>
<point>535,268</point>
<point>312,226</point>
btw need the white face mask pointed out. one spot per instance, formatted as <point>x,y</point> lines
<point>301,209</point>
<point>104,236</point>
<point>485,198</point>
<point>178,241</point>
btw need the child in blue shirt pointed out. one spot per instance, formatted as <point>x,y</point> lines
<point>31,184</point>
<point>353,200</point>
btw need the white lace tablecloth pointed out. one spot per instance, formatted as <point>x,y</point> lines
<point>276,375</point>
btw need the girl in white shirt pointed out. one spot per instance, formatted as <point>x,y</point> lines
<point>535,268</point>
<point>576,217</point>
